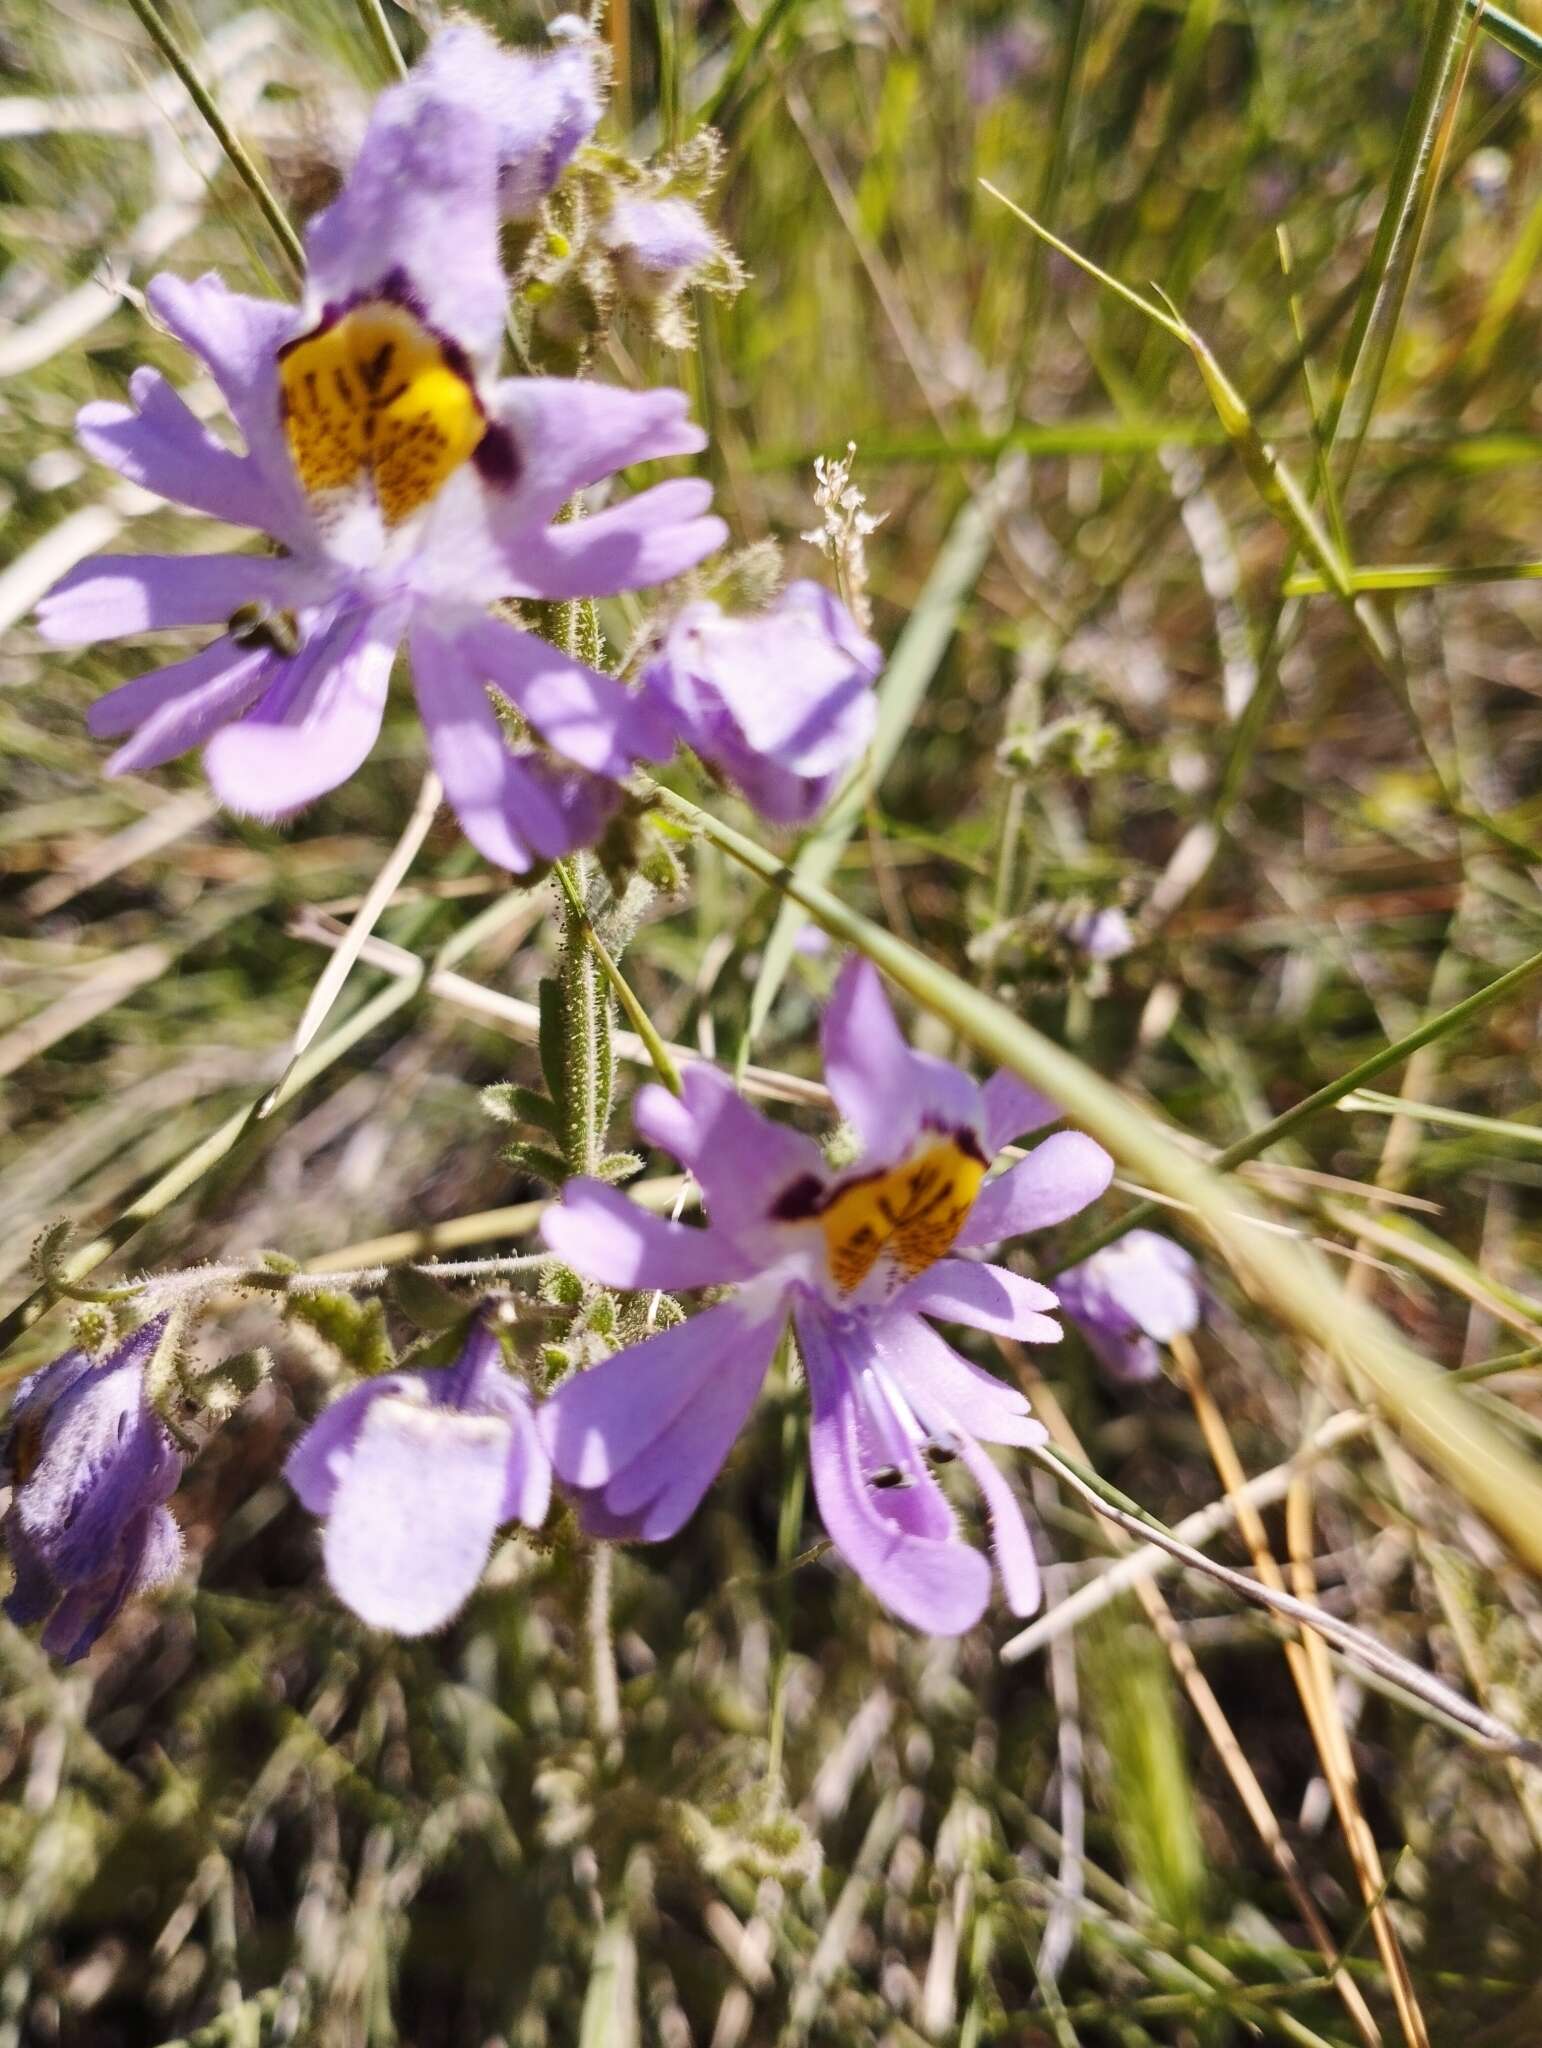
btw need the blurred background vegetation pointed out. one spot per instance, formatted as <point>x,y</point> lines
<point>247,1818</point>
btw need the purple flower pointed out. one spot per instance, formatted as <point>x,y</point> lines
<point>1001,58</point>
<point>1130,1297</point>
<point>859,1259</point>
<point>90,1467</point>
<point>408,490</point>
<point>413,1472</point>
<point>542,108</point>
<point>780,701</point>
<point>657,243</point>
<point>1103,934</point>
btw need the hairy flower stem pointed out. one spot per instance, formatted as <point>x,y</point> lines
<point>588,1075</point>
<point>789,1523</point>
<point>604,1687</point>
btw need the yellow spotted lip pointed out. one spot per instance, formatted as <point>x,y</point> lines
<point>374,397</point>
<point>908,1215</point>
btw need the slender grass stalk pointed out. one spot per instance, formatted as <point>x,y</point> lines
<point>1419,576</point>
<point>1484,1728</point>
<point>334,976</point>
<point>747,52</point>
<point>373,15</point>
<point>240,157</point>
<point>1510,33</point>
<point>1290,1279</point>
<point>1395,251</point>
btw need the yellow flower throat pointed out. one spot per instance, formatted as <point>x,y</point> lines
<point>909,1216</point>
<point>374,396</point>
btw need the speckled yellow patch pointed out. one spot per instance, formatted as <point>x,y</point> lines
<point>374,394</point>
<point>909,1215</point>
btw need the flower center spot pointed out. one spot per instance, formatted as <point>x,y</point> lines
<point>375,396</point>
<point>908,1216</point>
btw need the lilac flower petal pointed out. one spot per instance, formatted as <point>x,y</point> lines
<point>527,1473</point>
<point>238,340</point>
<point>411,1571</point>
<point>644,540</point>
<point>313,726</point>
<point>1057,1179</point>
<point>796,678</point>
<point>947,1390</point>
<point>984,1297</point>
<point>132,703</point>
<point>659,1491</point>
<point>609,1239</point>
<point>1131,1296</point>
<point>919,1507</point>
<point>743,1160</point>
<point>1013,1110</point>
<point>1130,1357</point>
<point>664,238</point>
<point>1158,1285</point>
<point>882,1088</point>
<point>540,108</point>
<point>112,596</point>
<point>161,1553</point>
<point>599,1421</point>
<point>104,1454</point>
<point>40,1392</point>
<point>569,434</point>
<point>586,716</point>
<point>511,806</point>
<point>417,220</point>
<point>315,1467</point>
<point>779,701</point>
<point>1013,1546</point>
<point>1104,935</point>
<point>214,687</point>
<point>163,448</point>
<point>483,780</point>
<point>936,1586</point>
<point>87,1609</point>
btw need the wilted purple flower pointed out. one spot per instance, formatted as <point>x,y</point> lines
<point>542,108</point>
<point>1135,1294</point>
<point>859,1259</point>
<point>657,243</point>
<point>90,1465</point>
<point>781,701</point>
<point>408,491</point>
<point>413,1472</point>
